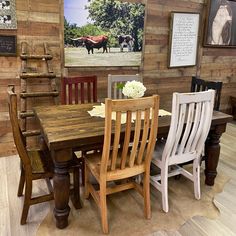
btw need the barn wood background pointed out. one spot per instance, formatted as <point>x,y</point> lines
<point>39,21</point>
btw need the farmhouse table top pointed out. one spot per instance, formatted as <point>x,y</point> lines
<point>69,126</point>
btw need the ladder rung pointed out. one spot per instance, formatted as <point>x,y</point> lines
<point>34,56</point>
<point>26,114</point>
<point>31,133</point>
<point>37,75</point>
<point>39,94</point>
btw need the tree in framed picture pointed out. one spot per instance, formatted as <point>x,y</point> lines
<point>221,24</point>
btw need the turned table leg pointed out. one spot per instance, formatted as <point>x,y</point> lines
<point>61,185</point>
<point>212,153</point>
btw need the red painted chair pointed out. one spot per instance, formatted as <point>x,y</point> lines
<point>79,89</point>
<point>75,90</point>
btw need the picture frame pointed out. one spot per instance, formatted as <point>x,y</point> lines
<point>8,45</point>
<point>184,37</point>
<point>96,37</point>
<point>220,30</point>
<point>8,14</point>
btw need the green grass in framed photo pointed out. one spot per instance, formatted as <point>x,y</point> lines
<point>8,14</point>
<point>220,24</point>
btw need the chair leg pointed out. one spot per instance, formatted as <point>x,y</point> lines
<point>138,178</point>
<point>49,185</point>
<point>28,194</point>
<point>196,178</point>
<point>82,170</point>
<point>146,193</point>
<point>21,183</point>
<point>76,191</point>
<point>86,181</point>
<point>164,188</point>
<point>103,208</point>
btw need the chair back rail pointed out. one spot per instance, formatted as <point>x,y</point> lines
<point>198,85</point>
<point>79,89</point>
<point>190,124</point>
<point>115,80</point>
<point>143,139</point>
<point>19,139</point>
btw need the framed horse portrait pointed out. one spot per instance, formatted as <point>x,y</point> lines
<point>220,24</point>
<point>103,33</point>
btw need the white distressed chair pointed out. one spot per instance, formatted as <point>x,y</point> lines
<point>190,124</point>
<point>114,80</point>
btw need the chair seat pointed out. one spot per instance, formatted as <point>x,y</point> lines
<point>174,159</point>
<point>94,163</point>
<point>40,162</point>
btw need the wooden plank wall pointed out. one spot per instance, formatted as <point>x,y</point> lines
<point>217,64</point>
<point>39,21</point>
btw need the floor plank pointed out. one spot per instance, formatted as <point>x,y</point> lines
<point>190,228</point>
<point>212,227</point>
<point>4,202</point>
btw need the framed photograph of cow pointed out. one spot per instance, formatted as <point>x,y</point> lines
<point>8,14</point>
<point>220,24</point>
<point>103,33</point>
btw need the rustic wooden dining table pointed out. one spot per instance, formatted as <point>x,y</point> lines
<point>66,127</point>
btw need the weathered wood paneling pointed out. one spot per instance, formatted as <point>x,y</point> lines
<point>40,21</point>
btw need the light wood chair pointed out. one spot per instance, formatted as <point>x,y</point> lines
<point>114,81</point>
<point>198,85</point>
<point>119,161</point>
<point>36,164</point>
<point>79,89</point>
<point>190,124</point>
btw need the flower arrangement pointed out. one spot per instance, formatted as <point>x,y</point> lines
<point>134,89</point>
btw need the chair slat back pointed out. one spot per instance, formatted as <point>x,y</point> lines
<point>114,81</point>
<point>19,139</point>
<point>198,85</point>
<point>80,89</point>
<point>190,123</point>
<point>141,133</point>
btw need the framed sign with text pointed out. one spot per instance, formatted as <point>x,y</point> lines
<point>8,14</point>
<point>8,45</point>
<point>183,41</point>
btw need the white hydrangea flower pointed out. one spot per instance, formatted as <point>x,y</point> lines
<point>133,89</point>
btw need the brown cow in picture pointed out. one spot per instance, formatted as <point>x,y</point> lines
<point>91,42</point>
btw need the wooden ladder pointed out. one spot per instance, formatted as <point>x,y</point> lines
<point>29,73</point>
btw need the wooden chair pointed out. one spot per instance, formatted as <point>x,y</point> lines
<point>117,162</point>
<point>190,124</point>
<point>114,81</point>
<point>198,85</point>
<point>36,164</point>
<point>79,89</point>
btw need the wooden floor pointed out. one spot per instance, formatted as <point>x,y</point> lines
<point>225,225</point>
